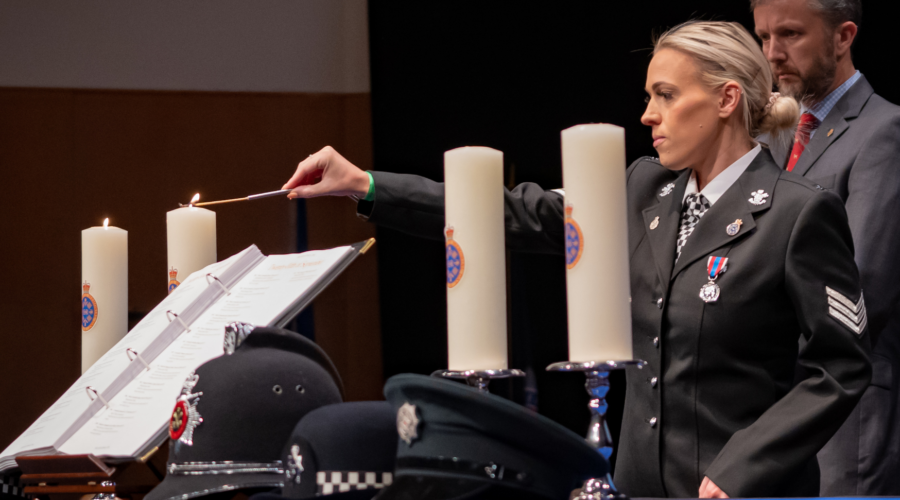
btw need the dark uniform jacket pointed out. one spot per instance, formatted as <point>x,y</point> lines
<point>717,396</point>
<point>855,153</point>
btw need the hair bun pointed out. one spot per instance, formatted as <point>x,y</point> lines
<point>780,115</point>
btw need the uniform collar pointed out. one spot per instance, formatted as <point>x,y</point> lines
<point>720,183</point>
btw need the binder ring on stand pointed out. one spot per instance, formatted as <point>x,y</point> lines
<point>218,281</point>
<point>173,316</point>
<point>131,351</point>
<point>97,395</point>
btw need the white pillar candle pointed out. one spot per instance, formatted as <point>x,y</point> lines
<point>597,275</point>
<point>191,236</point>
<point>104,286</point>
<point>476,259</point>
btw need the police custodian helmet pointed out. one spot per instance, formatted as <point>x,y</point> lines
<point>236,411</point>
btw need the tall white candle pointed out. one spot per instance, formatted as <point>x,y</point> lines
<point>597,274</point>
<point>104,286</point>
<point>191,236</point>
<point>476,259</point>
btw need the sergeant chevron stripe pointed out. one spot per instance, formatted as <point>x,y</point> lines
<point>851,315</point>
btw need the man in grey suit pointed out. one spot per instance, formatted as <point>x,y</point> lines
<point>848,141</point>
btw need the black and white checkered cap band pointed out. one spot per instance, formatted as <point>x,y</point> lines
<point>10,486</point>
<point>339,481</point>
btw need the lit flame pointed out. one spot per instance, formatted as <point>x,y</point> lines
<point>106,223</point>
<point>195,199</point>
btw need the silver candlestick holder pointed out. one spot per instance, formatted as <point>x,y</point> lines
<point>598,435</point>
<point>478,379</point>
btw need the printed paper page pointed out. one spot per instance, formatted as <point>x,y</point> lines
<point>48,428</point>
<point>139,411</point>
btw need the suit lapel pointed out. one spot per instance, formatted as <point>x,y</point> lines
<point>835,124</point>
<point>710,234</point>
<point>828,132</point>
<point>664,236</point>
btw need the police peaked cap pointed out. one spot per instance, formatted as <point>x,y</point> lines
<point>344,451</point>
<point>458,442</point>
<point>236,411</point>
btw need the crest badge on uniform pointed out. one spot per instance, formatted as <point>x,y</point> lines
<point>294,464</point>
<point>758,197</point>
<point>185,417</point>
<point>667,190</point>
<point>89,310</point>
<point>654,223</point>
<point>848,313</point>
<point>733,228</point>
<point>456,261</point>
<point>173,279</point>
<point>407,423</point>
<point>574,239</point>
<point>714,267</point>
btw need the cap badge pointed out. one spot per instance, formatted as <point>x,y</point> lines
<point>235,333</point>
<point>666,191</point>
<point>294,464</point>
<point>407,423</point>
<point>89,311</point>
<point>185,417</point>
<point>456,261</point>
<point>758,197</point>
<point>173,279</point>
<point>733,228</point>
<point>574,239</point>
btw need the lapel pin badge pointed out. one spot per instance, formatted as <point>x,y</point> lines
<point>830,132</point>
<point>758,197</point>
<point>733,228</point>
<point>654,223</point>
<point>668,189</point>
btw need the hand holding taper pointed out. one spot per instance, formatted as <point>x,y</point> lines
<point>327,173</point>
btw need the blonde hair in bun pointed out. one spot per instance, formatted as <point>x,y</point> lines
<point>726,52</point>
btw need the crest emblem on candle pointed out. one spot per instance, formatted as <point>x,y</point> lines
<point>407,423</point>
<point>173,279</point>
<point>456,261</point>
<point>185,417</point>
<point>574,239</point>
<point>89,310</point>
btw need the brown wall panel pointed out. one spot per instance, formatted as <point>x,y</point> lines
<point>69,158</point>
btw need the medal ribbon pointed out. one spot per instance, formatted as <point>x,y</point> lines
<point>716,265</point>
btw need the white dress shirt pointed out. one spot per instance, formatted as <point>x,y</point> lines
<point>720,183</point>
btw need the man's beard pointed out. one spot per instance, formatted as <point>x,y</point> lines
<point>814,85</point>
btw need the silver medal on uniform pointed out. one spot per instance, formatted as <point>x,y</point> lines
<point>714,267</point>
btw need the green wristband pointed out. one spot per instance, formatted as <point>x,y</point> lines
<point>370,196</point>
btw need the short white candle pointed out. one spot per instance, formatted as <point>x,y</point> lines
<point>476,259</point>
<point>104,285</point>
<point>191,237</point>
<point>597,274</point>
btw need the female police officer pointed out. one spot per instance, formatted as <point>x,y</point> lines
<point>716,412</point>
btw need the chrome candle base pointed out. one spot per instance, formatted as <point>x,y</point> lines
<point>598,436</point>
<point>478,379</point>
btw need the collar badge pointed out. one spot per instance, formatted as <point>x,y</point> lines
<point>185,417</point>
<point>294,465</point>
<point>668,189</point>
<point>407,423</point>
<point>733,228</point>
<point>758,197</point>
